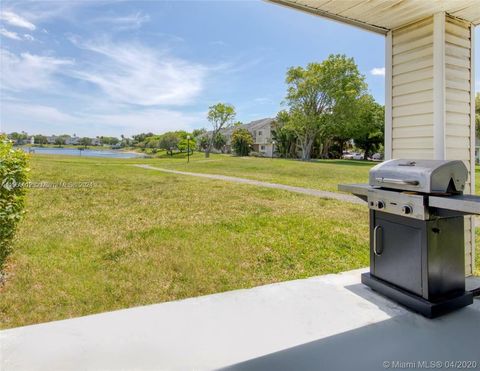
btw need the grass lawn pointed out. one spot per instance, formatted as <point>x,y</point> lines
<point>140,237</point>
<point>477,179</point>
<point>477,253</point>
<point>319,174</point>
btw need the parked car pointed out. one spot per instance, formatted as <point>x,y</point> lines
<point>358,156</point>
<point>353,156</point>
<point>377,157</point>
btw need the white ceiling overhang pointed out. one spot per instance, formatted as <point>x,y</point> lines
<point>383,15</point>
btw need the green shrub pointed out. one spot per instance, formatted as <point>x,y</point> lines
<point>13,175</point>
<point>242,142</point>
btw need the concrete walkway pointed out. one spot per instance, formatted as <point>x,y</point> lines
<point>306,191</point>
<point>330,322</point>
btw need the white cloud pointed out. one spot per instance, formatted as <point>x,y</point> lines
<point>37,112</point>
<point>134,82</point>
<point>378,71</point>
<point>38,118</point>
<point>15,36</point>
<point>263,100</point>
<point>40,11</point>
<point>126,22</point>
<point>136,74</point>
<point>155,120</point>
<point>29,71</point>
<point>10,34</point>
<point>16,20</point>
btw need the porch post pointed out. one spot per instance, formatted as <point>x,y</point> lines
<point>429,98</point>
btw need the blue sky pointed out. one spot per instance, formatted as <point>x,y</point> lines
<point>124,67</point>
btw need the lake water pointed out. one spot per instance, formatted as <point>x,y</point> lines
<point>85,152</point>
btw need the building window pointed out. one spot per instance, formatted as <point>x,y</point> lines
<point>259,132</point>
<point>262,148</point>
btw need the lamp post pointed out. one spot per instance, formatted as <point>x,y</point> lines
<point>273,147</point>
<point>188,148</point>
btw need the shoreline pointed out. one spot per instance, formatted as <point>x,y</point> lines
<point>92,151</point>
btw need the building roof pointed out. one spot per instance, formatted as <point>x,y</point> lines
<point>383,15</point>
<point>251,126</point>
<point>257,124</point>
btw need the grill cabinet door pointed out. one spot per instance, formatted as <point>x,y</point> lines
<point>396,251</point>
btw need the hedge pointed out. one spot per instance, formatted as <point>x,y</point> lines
<point>13,175</point>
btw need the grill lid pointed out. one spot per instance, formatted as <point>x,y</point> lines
<point>426,176</point>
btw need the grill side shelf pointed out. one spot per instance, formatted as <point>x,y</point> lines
<point>467,204</point>
<point>359,190</point>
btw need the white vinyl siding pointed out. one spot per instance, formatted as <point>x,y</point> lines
<point>416,91</point>
<point>457,95</point>
<point>458,107</point>
<point>412,91</point>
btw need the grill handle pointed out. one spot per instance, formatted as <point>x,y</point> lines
<point>378,240</point>
<point>397,181</point>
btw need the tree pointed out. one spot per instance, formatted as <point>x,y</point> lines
<point>219,142</point>
<point>18,138</point>
<point>109,140</point>
<point>317,93</point>
<point>114,141</point>
<point>242,141</point>
<point>85,142</point>
<point>367,131</point>
<point>220,115</point>
<point>186,144</point>
<point>202,142</point>
<point>198,132</point>
<point>60,141</point>
<point>140,139</point>
<point>169,142</point>
<point>284,137</point>
<point>40,139</point>
<point>339,130</point>
<point>151,142</point>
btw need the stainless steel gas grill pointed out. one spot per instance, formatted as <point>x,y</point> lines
<point>417,248</point>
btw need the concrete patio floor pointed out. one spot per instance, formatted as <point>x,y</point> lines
<point>329,322</point>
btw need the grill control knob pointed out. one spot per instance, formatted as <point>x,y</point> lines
<point>380,204</point>
<point>407,209</point>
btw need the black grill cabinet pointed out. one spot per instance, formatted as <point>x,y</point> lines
<point>417,247</point>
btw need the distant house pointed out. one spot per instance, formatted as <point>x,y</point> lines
<point>261,131</point>
<point>72,140</point>
<point>51,139</point>
<point>262,136</point>
<point>19,140</point>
